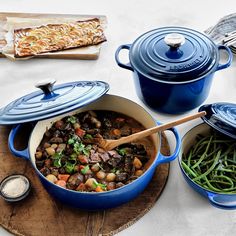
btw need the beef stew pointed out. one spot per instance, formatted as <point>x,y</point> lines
<point>70,157</point>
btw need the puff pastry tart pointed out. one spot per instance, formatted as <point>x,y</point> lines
<point>57,37</point>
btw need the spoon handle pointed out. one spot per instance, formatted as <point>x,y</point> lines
<point>155,129</point>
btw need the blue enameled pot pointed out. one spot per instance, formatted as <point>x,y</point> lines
<point>173,67</point>
<point>223,201</point>
<point>102,200</point>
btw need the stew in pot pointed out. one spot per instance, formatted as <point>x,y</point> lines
<point>70,157</point>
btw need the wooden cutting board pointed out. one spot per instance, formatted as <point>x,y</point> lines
<point>86,53</point>
<point>39,214</point>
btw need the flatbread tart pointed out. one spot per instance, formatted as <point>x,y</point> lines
<point>57,37</point>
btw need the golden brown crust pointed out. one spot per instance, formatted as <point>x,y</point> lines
<point>57,37</point>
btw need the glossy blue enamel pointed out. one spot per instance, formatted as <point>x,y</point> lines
<point>103,200</point>
<point>173,80</point>
<point>222,117</point>
<point>18,153</point>
<point>151,56</point>
<point>172,97</point>
<point>44,104</point>
<point>223,201</point>
<point>98,201</point>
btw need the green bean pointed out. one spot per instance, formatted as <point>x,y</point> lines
<point>186,168</point>
<point>189,157</point>
<point>207,162</point>
<point>211,168</point>
<point>204,154</point>
<point>227,179</point>
<point>234,157</point>
<point>212,187</point>
<point>218,141</point>
<point>211,163</point>
<point>220,182</point>
<point>227,170</point>
<point>232,161</point>
<point>198,143</point>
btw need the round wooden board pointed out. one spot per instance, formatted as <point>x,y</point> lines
<point>39,214</point>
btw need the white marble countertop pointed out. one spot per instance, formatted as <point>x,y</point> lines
<point>179,210</point>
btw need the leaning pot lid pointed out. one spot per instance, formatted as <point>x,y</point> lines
<point>51,101</point>
<point>221,117</point>
<point>173,54</point>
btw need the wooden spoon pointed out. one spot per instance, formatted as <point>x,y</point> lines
<point>110,144</point>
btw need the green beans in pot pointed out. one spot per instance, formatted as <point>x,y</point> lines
<point>211,162</point>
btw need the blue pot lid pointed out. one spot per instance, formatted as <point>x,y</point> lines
<point>51,101</point>
<point>173,54</point>
<point>221,117</point>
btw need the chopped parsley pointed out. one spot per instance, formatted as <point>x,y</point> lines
<point>57,155</point>
<point>69,167</point>
<point>85,170</point>
<point>73,157</point>
<point>57,162</point>
<point>57,159</point>
<point>73,139</point>
<point>80,148</point>
<point>96,184</point>
<point>88,136</point>
<point>72,120</point>
<point>121,151</point>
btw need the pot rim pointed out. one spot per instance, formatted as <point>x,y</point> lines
<point>150,168</point>
<point>179,161</point>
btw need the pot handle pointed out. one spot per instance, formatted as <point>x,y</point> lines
<point>227,202</point>
<point>22,153</point>
<point>126,66</point>
<point>230,57</point>
<point>165,159</point>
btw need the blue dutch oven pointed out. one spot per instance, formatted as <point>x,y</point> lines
<point>222,118</point>
<point>43,108</point>
<point>173,67</point>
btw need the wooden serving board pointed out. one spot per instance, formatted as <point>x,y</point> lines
<point>86,53</point>
<point>39,214</point>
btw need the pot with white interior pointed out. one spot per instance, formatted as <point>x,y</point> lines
<point>93,200</point>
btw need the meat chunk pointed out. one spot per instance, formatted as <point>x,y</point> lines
<point>56,140</point>
<point>103,155</point>
<point>120,177</point>
<point>94,157</point>
<point>74,181</point>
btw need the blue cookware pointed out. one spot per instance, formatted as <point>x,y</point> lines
<point>173,67</point>
<point>46,106</point>
<point>222,118</point>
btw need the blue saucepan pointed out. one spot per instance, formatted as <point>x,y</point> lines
<point>103,200</point>
<point>173,67</point>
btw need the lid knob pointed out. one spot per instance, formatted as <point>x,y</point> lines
<point>174,40</point>
<point>47,87</point>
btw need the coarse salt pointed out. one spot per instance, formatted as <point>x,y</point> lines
<point>14,187</point>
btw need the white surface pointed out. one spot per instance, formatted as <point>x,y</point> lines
<point>179,210</point>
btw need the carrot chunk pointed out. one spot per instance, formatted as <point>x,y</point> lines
<point>61,183</point>
<point>63,177</point>
<point>80,132</point>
